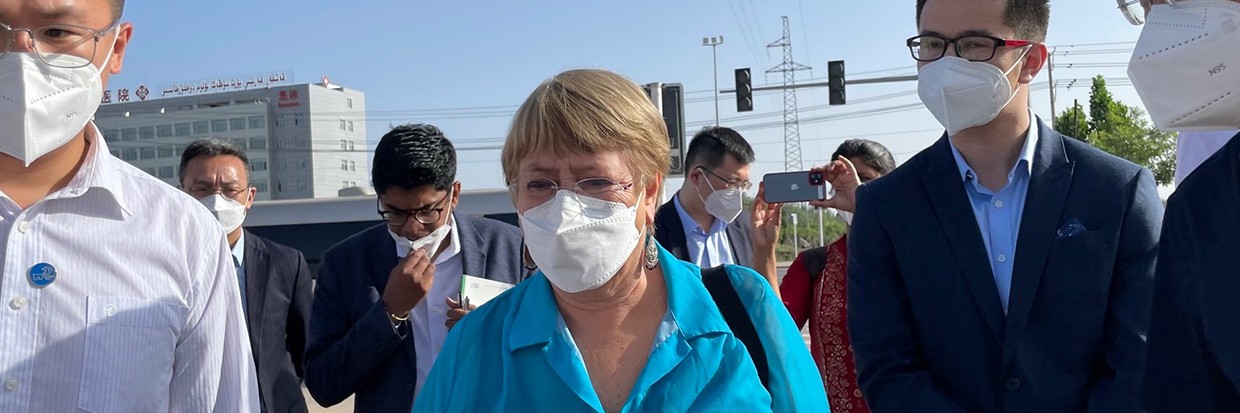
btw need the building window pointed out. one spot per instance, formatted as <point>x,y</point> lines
<point>129,134</point>
<point>344,145</point>
<point>116,153</point>
<point>165,172</point>
<point>350,126</point>
<point>111,135</point>
<point>343,125</point>
<point>240,142</point>
<point>259,165</point>
<point>163,131</point>
<point>344,165</point>
<point>350,146</point>
<point>260,185</point>
<point>258,143</point>
<point>148,153</point>
<point>130,154</point>
<point>349,102</point>
<point>279,186</point>
<point>237,123</point>
<point>296,120</point>
<point>150,171</point>
<point>219,125</point>
<point>302,185</point>
<point>201,128</point>
<point>167,152</point>
<point>258,122</point>
<point>352,166</point>
<point>301,164</point>
<point>146,132</point>
<point>182,129</point>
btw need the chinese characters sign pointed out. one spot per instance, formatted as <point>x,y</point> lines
<point>255,81</point>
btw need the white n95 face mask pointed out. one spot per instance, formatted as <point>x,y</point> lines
<point>1186,65</point>
<point>227,211</point>
<point>963,94</point>
<point>428,244</point>
<point>724,204</point>
<point>578,242</point>
<point>43,107</point>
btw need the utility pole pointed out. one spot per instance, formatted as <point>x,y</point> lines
<point>792,125</point>
<point>714,43</point>
<point>1050,72</point>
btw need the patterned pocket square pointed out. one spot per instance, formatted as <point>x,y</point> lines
<point>1071,229</point>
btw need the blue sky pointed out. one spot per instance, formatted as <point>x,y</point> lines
<point>414,60</point>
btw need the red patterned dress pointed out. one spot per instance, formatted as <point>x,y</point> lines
<point>823,304</point>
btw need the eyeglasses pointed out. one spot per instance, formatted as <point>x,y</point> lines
<point>424,216</point>
<point>538,191</point>
<point>1134,10</point>
<point>927,48</point>
<point>203,191</point>
<point>56,44</point>
<point>730,184</point>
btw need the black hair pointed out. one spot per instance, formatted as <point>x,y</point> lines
<point>1030,18</point>
<point>213,147</point>
<point>709,146</point>
<point>873,154</point>
<point>411,156</point>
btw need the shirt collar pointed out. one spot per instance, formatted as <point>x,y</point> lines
<point>535,320</point>
<point>238,251</point>
<point>691,224</point>
<point>1023,163</point>
<point>100,170</point>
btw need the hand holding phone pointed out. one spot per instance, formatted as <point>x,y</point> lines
<point>785,187</point>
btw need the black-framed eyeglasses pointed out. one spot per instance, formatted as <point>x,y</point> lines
<point>730,183</point>
<point>202,191</point>
<point>542,189</point>
<point>424,216</point>
<point>55,44</point>
<point>929,48</point>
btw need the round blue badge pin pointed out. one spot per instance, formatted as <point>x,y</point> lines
<point>42,274</point>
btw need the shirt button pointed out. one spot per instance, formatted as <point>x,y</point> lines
<point>998,204</point>
<point>1013,384</point>
<point>1002,258</point>
<point>11,384</point>
<point>23,227</point>
<point>18,303</point>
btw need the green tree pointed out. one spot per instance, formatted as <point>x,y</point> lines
<point>806,234</point>
<point>1121,130</point>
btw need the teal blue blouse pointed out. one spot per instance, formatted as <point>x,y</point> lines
<point>515,354</point>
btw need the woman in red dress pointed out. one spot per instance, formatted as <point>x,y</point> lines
<point>818,295</point>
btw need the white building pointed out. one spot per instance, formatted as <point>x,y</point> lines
<point>303,141</point>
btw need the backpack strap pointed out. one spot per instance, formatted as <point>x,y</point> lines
<point>734,313</point>
<point>815,260</point>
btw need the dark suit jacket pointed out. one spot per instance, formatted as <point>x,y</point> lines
<point>670,233</point>
<point>353,349</point>
<point>1194,357</point>
<point>278,290</point>
<point>927,326</point>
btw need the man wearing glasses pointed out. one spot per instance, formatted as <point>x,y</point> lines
<point>119,294</point>
<point>1186,68</point>
<point>386,296</point>
<point>1006,268</point>
<point>705,222</point>
<point>276,288</point>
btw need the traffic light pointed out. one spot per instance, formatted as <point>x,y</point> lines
<point>835,78</point>
<point>744,91</point>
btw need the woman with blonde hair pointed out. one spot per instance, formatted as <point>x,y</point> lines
<point>610,321</point>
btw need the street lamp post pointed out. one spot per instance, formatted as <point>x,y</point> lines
<point>714,43</point>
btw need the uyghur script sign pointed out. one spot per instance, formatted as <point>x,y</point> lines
<point>256,81</point>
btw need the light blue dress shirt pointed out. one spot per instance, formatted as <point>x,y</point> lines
<point>998,213</point>
<point>515,354</point>
<point>706,249</point>
<point>238,253</point>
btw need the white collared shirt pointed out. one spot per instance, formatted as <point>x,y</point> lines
<point>706,249</point>
<point>426,320</point>
<point>144,313</point>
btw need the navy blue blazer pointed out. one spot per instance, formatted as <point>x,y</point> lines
<point>924,315</point>
<point>353,349</point>
<point>278,291</point>
<point>670,232</point>
<point>1194,355</point>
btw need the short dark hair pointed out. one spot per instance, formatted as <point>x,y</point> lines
<point>118,9</point>
<point>710,145</point>
<point>213,147</point>
<point>411,156</point>
<point>1030,18</point>
<point>874,154</point>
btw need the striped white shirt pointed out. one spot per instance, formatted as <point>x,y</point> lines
<point>144,312</point>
